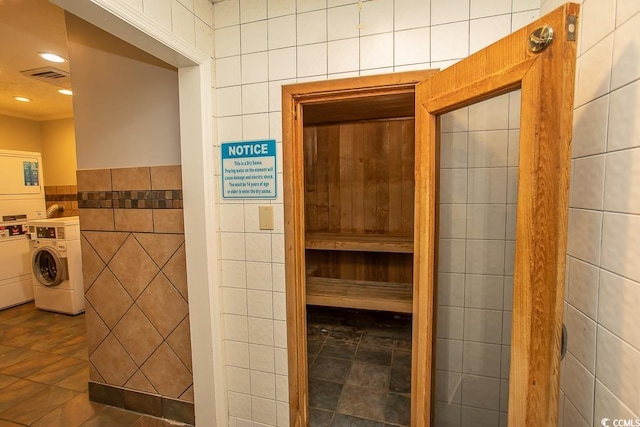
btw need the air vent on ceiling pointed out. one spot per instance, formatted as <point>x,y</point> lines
<point>49,75</point>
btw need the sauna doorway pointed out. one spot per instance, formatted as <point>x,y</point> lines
<point>344,259</point>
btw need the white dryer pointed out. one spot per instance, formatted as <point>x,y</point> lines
<point>56,261</point>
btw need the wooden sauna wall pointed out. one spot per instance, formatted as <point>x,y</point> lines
<point>359,179</point>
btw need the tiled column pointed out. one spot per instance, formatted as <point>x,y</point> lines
<point>136,289</point>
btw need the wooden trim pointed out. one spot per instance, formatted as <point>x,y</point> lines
<point>359,294</point>
<point>293,99</point>
<point>360,242</point>
<point>546,79</point>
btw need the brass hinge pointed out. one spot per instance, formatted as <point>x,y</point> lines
<point>571,28</point>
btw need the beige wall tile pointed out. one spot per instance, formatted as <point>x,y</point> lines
<point>140,220</point>
<point>96,219</point>
<point>176,271</point>
<point>112,362</point>
<point>168,221</point>
<point>131,179</point>
<point>180,342</point>
<point>92,265</point>
<point>94,180</point>
<point>96,328</point>
<point>167,373</point>
<point>163,305</point>
<point>139,382</point>
<point>582,331</point>
<point>166,177</point>
<point>137,335</point>
<point>105,243</point>
<point>109,298</point>
<point>481,392</point>
<point>133,267</point>
<point>160,246</point>
<point>618,303</point>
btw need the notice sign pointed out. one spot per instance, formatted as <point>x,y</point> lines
<point>30,170</point>
<point>249,170</point>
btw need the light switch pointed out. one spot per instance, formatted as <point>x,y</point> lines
<point>266,217</point>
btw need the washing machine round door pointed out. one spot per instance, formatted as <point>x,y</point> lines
<point>48,268</point>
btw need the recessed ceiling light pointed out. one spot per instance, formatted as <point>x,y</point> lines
<point>21,99</point>
<point>65,91</point>
<point>51,57</point>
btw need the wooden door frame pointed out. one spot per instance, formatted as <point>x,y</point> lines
<point>294,97</point>
<point>546,79</point>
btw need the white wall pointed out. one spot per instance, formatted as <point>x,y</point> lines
<point>125,102</point>
<point>261,45</point>
<point>601,373</point>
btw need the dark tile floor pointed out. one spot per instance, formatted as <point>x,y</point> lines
<point>44,374</point>
<point>359,368</point>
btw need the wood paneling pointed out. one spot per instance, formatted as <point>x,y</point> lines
<point>355,179</point>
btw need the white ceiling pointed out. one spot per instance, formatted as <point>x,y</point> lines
<point>26,28</point>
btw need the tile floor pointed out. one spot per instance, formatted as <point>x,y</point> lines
<point>359,368</point>
<point>44,374</point>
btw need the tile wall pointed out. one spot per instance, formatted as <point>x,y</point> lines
<point>261,45</point>
<point>65,196</point>
<point>135,281</point>
<point>478,192</point>
<point>601,372</point>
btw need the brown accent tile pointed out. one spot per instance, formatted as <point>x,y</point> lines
<point>112,362</point>
<point>139,382</point>
<point>11,356</point>
<point>105,243</point>
<point>167,373</point>
<point>57,371</point>
<point>92,265</point>
<point>30,366</point>
<point>110,300</point>
<point>72,346</point>
<point>133,267</point>
<point>137,335</point>
<point>94,180</point>
<point>168,221</point>
<point>160,246</point>
<point>166,177</point>
<point>78,381</point>
<point>179,411</point>
<point>73,189</point>
<point>180,342</point>
<point>126,179</point>
<point>176,271</point>
<point>187,396</point>
<point>112,417</point>
<point>96,219</point>
<point>38,405</point>
<point>156,422</point>
<point>107,394</point>
<point>163,305</point>
<point>143,403</point>
<point>19,391</point>
<point>140,220</point>
<point>72,413</point>
<point>50,189</point>
<point>97,330</point>
<point>6,380</point>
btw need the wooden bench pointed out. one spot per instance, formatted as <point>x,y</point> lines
<point>360,294</point>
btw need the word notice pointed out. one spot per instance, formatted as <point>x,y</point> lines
<point>249,170</point>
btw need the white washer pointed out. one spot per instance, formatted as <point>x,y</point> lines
<point>56,261</point>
